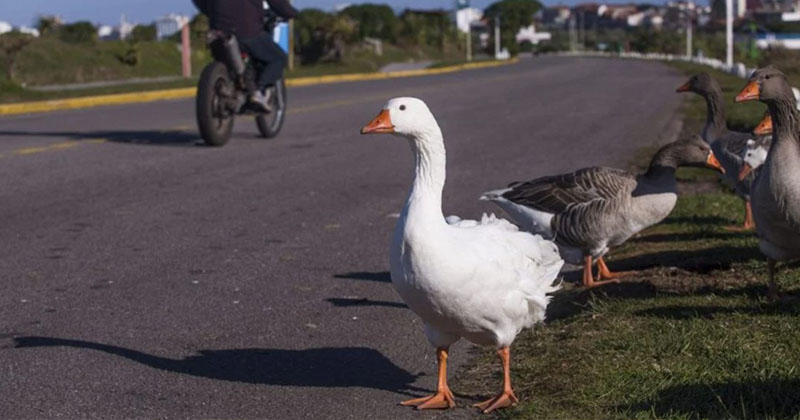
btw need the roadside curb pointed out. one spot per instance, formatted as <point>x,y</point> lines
<point>159,95</point>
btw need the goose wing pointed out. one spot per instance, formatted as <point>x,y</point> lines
<point>556,194</point>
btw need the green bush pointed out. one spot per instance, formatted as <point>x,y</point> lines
<point>373,20</point>
<point>78,32</point>
<point>142,33</point>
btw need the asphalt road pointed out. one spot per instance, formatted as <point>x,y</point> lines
<point>144,276</point>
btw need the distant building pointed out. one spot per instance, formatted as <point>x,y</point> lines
<point>5,27</point>
<point>556,15</point>
<point>105,32</point>
<point>529,34</point>
<point>125,28</point>
<point>467,17</point>
<point>788,41</point>
<point>169,24</point>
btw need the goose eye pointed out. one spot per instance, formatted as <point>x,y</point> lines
<point>402,107</point>
<point>767,77</point>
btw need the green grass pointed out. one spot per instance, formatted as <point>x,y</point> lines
<point>692,336</point>
<point>49,61</point>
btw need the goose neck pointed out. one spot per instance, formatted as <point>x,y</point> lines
<point>785,120</point>
<point>664,163</point>
<point>715,115</point>
<point>425,197</point>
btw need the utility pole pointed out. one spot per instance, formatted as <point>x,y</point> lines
<point>186,50</point>
<point>573,39</point>
<point>469,41</point>
<point>497,36</point>
<point>729,32</point>
<point>689,15</point>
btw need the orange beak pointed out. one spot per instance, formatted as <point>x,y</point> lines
<point>380,124</point>
<point>713,163</point>
<point>764,127</point>
<point>684,88</point>
<point>749,93</point>
<point>746,169</point>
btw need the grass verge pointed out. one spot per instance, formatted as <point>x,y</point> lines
<point>690,337</point>
<point>50,61</point>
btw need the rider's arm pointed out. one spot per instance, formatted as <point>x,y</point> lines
<point>283,8</point>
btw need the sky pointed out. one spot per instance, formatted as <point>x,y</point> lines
<point>24,12</point>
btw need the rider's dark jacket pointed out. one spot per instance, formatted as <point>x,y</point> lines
<point>242,17</point>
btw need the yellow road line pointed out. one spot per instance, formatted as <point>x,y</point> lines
<point>30,150</point>
<point>158,95</point>
<point>54,147</point>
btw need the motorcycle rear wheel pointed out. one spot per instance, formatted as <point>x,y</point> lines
<point>214,90</point>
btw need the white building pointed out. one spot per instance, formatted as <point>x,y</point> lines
<point>105,31</point>
<point>466,17</point>
<point>169,24</point>
<point>125,28</point>
<point>529,34</point>
<point>5,27</point>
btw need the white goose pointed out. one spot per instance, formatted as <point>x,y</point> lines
<point>484,281</point>
<point>755,153</point>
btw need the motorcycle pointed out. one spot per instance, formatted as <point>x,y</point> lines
<point>222,92</point>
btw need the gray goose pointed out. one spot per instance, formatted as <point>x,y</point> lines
<point>728,145</point>
<point>588,211</point>
<point>776,190</point>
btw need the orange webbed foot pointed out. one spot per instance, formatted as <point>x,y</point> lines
<point>441,399</point>
<point>505,399</point>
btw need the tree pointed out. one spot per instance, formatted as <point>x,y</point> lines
<point>11,44</point>
<point>78,33</point>
<point>427,28</point>
<point>142,33</point>
<point>514,15</point>
<point>47,25</point>
<point>373,20</point>
<point>321,36</point>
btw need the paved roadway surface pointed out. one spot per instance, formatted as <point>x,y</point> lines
<point>144,276</point>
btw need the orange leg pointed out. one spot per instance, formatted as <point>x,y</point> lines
<point>604,273</point>
<point>749,223</point>
<point>588,278</point>
<point>443,398</point>
<point>507,397</point>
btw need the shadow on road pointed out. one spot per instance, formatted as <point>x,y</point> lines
<point>327,367</point>
<point>147,137</point>
<point>379,276</point>
<point>347,302</point>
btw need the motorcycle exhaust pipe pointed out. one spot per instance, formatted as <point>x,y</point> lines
<point>233,55</point>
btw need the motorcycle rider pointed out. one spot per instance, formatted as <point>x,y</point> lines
<point>245,19</point>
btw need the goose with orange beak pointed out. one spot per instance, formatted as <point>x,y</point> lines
<point>727,144</point>
<point>776,189</point>
<point>480,280</point>
<point>591,210</point>
<point>755,153</point>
